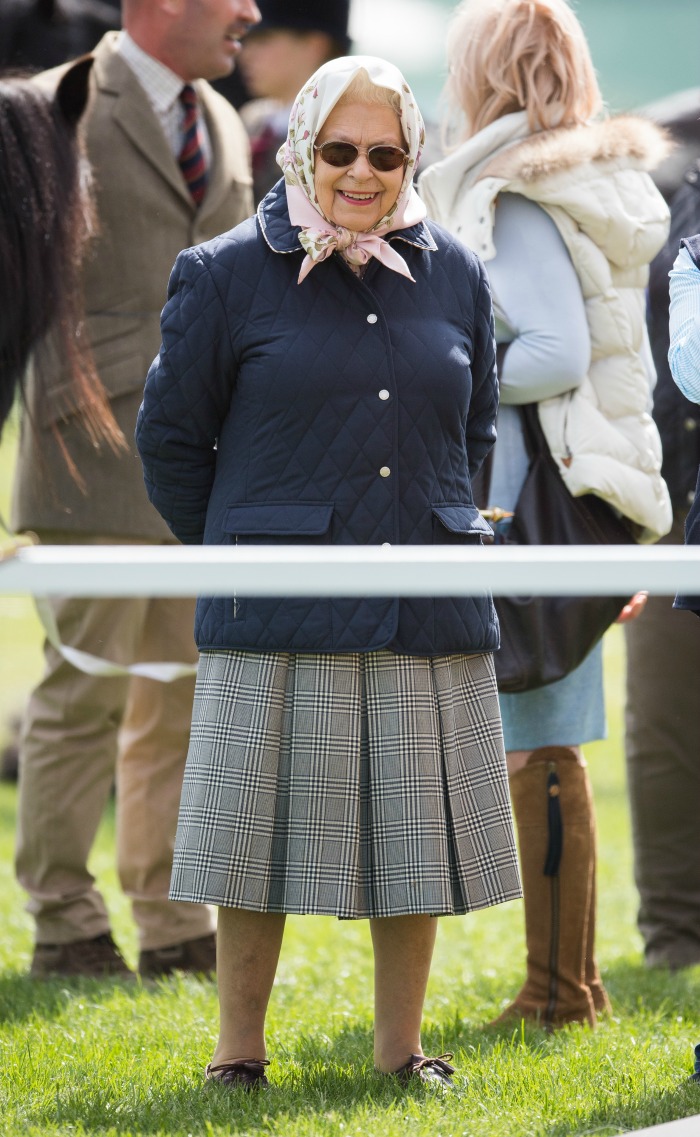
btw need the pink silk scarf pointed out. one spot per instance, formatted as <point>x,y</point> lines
<point>319,236</point>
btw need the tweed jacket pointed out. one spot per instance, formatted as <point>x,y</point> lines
<point>145,216</point>
<point>340,410</point>
<point>593,182</point>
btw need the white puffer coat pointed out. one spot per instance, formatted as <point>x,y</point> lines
<point>593,182</point>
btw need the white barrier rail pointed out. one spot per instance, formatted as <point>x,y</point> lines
<point>343,570</point>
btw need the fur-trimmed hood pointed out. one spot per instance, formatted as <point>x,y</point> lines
<point>635,141</point>
<point>597,174</point>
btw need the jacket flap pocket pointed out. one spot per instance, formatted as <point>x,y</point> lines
<point>462,519</point>
<point>279,518</point>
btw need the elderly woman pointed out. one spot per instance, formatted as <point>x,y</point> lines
<point>327,376</point>
<point>567,218</point>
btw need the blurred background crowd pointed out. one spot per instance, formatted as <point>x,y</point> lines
<point>643,51</point>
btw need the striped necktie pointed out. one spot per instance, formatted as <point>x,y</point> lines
<point>191,158</point>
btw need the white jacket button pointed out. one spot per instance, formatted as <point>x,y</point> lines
<point>384,472</point>
<point>383,394</point>
<point>372,318</point>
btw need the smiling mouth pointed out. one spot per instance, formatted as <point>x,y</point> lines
<point>358,198</point>
<point>234,39</point>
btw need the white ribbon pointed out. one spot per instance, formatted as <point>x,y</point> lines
<point>96,665</point>
<point>162,672</point>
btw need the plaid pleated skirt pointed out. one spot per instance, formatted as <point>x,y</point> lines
<point>358,785</point>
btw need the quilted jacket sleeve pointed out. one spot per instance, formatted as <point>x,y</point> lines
<point>481,422</point>
<point>186,398</point>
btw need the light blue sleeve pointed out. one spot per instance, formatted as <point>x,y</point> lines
<point>684,325</point>
<point>538,305</point>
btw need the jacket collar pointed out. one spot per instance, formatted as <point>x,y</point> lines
<point>132,112</point>
<point>283,237</point>
<point>134,115</point>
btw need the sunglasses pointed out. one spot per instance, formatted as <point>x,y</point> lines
<point>381,158</point>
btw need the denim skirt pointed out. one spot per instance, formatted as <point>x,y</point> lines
<point>567,713</point>
<point>359,785</point>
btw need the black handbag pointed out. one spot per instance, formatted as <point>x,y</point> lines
<point>543,638</point>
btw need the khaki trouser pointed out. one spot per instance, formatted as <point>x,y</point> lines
<point>663,773</point>
<point>81,731</point>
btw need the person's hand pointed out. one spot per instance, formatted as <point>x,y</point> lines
<point>633,608</point>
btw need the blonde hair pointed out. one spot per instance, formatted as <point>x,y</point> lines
<point>513,55</point>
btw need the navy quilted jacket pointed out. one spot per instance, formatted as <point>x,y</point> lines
<point>342,410</point>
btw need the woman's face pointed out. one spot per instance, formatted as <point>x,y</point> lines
<point>357,196</point>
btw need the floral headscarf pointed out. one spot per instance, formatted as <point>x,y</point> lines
<point>319,236</point>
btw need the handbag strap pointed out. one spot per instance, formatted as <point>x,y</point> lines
<point>533,434</point>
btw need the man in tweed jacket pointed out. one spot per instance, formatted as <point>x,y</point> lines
<point>77,725</point>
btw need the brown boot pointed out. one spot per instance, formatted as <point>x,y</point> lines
<point>553,810</point>
<point>96,958</point>
<point>594,982</point>
<point>195,956</point>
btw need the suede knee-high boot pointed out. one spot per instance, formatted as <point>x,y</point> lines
<point>592,975</point>
<point>553,809</point>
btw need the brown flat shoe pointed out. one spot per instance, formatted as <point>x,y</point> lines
<point>432,1071</point>
<point>245,1074</point>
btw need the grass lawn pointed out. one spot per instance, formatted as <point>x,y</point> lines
<point>103,1057</point>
